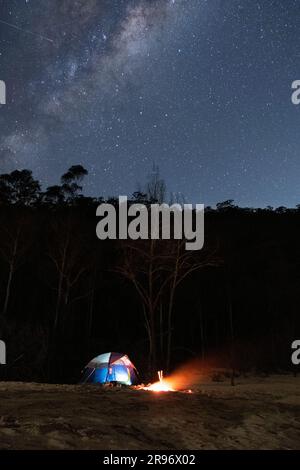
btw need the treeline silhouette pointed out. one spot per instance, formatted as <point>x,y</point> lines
<point>66,296</point>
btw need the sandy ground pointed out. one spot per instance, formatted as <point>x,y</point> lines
<point>255,414</point>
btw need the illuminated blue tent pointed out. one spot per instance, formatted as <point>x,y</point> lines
<point>110,367</point>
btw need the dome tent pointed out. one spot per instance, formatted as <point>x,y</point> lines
<point>110,367</point>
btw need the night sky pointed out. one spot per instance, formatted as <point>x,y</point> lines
<point>202,88</point>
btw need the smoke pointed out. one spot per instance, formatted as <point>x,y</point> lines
<point>191,373</point>
<point>187,375</point>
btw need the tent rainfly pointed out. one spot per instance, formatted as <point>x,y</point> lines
<point>110,367</point>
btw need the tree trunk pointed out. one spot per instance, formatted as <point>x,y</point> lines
<point>8,288</point>
<point>153,358</point>
<point>91,312</point>
<point>58,301</point>
<point>202,334</point>
<point>232,349</point>
<point>170,311</point>
<point>161,332</point>
<point>169,335</point>
<point>60,285</point>
<point>151,312</point>
<point>10,275</point>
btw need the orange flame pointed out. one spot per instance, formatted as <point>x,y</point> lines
<point>160,386</point>
<point>188,376</point>
<point>163,385</point>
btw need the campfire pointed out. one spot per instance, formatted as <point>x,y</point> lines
<point>163,385</point>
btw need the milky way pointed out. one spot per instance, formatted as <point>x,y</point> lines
<point>201,88</point>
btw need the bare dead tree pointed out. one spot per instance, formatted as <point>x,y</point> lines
<point>156,186</point>
<point>143,264</point>
<point>156,269</point>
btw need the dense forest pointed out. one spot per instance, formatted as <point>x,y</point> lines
<point>66,296</point>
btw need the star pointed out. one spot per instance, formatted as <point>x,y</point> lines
<point>200,88</point>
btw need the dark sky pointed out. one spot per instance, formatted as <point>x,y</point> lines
<point>200,87</point>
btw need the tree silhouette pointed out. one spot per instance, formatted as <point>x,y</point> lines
<point>19,187</point>
<point>71,179</point>
<point>54,195</point>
